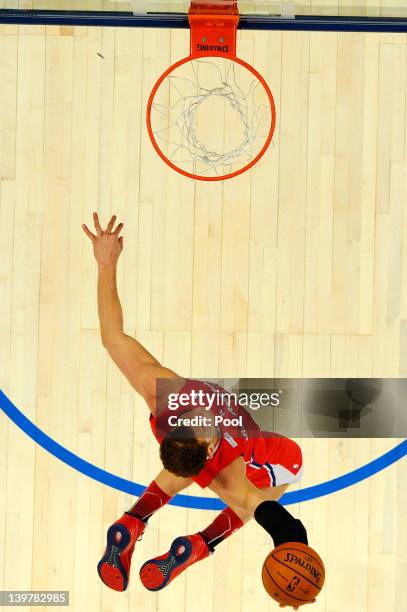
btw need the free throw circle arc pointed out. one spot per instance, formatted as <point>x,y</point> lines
<point>191,501</point>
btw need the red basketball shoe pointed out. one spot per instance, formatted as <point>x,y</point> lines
<point>156,573</point>
<point>114,566</point>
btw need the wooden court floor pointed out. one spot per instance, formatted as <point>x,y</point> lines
<point>296,269</point>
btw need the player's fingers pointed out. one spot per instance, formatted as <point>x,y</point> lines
<point>88,232</point>
<point>97,224</point>
<point>118,229</point>
<point>111,223</point>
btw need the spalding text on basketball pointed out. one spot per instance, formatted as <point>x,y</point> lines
<point>307,566</point>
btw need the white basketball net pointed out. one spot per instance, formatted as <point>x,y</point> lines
<point>211,116</point>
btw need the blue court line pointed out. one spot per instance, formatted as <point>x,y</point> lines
<point>192,501</point>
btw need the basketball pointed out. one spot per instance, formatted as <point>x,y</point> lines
<point>293,574</point>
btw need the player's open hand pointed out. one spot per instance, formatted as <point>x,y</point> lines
<point>297,607</point>
<point>107,244</point>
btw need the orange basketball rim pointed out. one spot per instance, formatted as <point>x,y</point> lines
<point>211,115</point>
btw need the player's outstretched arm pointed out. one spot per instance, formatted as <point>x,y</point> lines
<point>137,364</point>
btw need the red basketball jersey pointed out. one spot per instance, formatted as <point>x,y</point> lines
<point>247,440</point>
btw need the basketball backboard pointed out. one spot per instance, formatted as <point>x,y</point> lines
<point>287,8</point>
<point>362,15</point>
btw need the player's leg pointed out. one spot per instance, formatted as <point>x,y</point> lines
<point>184,551</point>
<point>224,524</point>
<point>114,567</point>
<point>231,519</point>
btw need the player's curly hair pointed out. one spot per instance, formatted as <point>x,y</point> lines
<point>182,454</point>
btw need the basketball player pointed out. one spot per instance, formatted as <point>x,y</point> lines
<point>248,472</point>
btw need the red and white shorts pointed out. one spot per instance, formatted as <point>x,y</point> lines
<point>271,472</point>
<point>271,475</point>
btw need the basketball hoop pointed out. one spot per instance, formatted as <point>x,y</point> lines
<point>211,115</point>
